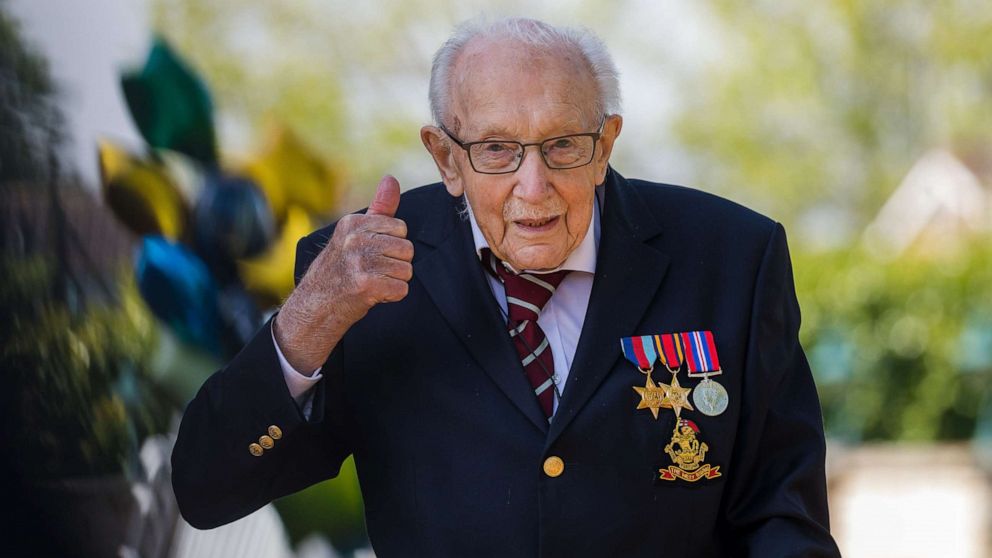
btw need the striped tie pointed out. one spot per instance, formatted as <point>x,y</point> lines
<point>526,295</point>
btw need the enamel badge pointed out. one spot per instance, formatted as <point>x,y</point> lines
<point>688,453</point>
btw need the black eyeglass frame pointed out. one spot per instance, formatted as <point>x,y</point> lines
<point>523,148</point>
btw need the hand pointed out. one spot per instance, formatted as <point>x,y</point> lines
<point>367,261</point>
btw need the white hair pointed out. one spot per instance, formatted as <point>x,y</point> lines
<point>531,32</point>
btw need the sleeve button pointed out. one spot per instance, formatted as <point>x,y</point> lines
<point>256,450</point>
<point>266,442</point>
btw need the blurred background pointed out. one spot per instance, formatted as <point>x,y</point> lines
<point>160,158</point>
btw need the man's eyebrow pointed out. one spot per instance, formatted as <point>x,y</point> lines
<point>505,133</point>
<point>495,130</point>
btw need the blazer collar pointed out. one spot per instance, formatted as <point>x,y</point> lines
<point>454,280</point>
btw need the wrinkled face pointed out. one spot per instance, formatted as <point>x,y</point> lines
<point>535,217</point>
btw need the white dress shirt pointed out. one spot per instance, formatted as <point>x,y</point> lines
<point>561,318</point>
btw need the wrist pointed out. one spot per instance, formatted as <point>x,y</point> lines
<point>307,330</point>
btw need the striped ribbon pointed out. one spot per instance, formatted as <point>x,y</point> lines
<point>700,353</point>
<point>670,350</point>
<point>640,351</point>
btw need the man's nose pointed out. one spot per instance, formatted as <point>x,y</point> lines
<point>532,176</point>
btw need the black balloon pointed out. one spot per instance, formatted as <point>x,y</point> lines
<point>232,220</point>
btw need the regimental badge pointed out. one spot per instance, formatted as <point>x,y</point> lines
<point>687,453</point>
<point>702,361</point>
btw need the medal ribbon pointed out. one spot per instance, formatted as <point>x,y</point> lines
<point>700,353</point>
<point>639,350</point>
<point>670,350</point>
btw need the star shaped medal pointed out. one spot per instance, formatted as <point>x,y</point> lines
<point>640,351</point>
<point>671,354</point>
<point>678,396</point>
<point>653,396</point>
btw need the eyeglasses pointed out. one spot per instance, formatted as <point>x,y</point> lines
<point>505,157</point>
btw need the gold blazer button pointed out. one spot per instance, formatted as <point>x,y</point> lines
<point>554,466</point>
<point>256,450</point>
<point>266,442</point>
<point>275,432</point>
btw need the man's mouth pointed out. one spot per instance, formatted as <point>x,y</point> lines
<point>538,225</point>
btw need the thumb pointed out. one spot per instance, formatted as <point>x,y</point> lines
<point>387,197</point>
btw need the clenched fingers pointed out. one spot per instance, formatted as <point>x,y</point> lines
<point>393,290</point>
<point>393,268</point>
<point>392,247</point>
<point>381,224</point>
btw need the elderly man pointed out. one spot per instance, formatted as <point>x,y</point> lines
<point>507,354</point>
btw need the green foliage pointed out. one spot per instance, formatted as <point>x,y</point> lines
<point>827,104</point>
<point>75,381</point>
<point>333,507</point>
<point>820,109</point>
<point>901,350</point>
<point>29,121</point>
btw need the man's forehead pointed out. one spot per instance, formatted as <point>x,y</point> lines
<point>525,122</point>
<point>500,86</point>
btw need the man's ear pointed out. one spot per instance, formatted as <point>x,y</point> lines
<point>611,130</point>
<point>439,146</point>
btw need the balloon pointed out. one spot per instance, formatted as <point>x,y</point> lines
<point>231,221</point>
<point>171,105</point>
<point>291,174</point>
<point>141,194</point>
<point>269,276</point>
<point>178,288</point>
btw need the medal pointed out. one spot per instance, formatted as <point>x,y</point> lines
<point>678,397</point>
<point>670,353</point>
<point>687,453</point>
<point>702,361</point>
<point>653,396</point>
<point>710,398</point>
<point>640,351</point>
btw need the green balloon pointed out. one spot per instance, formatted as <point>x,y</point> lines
<point>171,105</point>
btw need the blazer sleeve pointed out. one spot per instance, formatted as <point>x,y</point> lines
<point>216,478</point>
<point>777,502</point>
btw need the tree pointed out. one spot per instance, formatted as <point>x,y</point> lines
<point>819,109</point>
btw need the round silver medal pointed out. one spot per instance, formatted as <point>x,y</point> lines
<point>710,398</point>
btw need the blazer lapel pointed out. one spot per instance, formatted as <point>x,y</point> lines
<point>628,273</point>
<point>455,281</point>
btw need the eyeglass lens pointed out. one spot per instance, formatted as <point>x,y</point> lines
<point>559,153</point>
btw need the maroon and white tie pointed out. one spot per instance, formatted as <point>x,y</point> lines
<point>526,295</point>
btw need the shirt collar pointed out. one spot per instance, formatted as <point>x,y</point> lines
<point>583,258</point>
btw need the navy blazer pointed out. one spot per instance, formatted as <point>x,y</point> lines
<point>449,440</point>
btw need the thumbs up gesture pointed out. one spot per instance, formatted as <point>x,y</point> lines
<point>367,261</point>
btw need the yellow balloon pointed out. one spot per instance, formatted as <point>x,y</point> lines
<point>289,173</point>
<point>269,276</point>
<point>141,193</point>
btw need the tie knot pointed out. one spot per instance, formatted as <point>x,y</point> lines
<point>526,293</point>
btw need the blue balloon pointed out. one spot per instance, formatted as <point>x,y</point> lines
<point>178,288</point>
